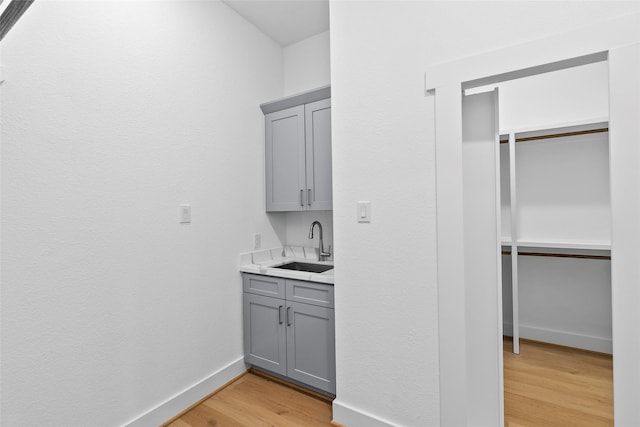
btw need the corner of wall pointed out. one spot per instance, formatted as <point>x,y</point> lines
<point>307,64</point>
<point>193,394</point>
<point>352,417</point>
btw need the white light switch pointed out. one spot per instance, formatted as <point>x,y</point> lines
<point>185,214</point>
<point>364,211</point>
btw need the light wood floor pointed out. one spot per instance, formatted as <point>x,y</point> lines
<point>255,401</point>
<point>548,385</point>
<point>544,386</point>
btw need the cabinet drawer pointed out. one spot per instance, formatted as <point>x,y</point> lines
<point>310,293</point>
<point>263,285</point>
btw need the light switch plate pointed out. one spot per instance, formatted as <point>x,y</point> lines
<point>364,211</point>
<point>185,214</point>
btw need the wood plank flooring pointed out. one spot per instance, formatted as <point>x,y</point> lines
<point>255,401</point>
<point>545,386</point>
<point>548,385</point>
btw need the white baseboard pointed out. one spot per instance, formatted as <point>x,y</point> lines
<point>351,417</point>
<point>569,339</point>
<point>181,401</point>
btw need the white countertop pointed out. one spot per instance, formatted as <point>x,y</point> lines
<point>264,261</point>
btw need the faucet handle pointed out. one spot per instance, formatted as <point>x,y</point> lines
<point>326,254</point>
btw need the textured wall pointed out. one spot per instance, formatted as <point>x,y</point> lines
<point>113,114</point>
<point>386,292</point>
<point>307,64</point>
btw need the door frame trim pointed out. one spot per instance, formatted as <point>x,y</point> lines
<point>446,83</point>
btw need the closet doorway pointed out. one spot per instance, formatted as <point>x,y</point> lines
<point>470,290</point>
<point>551,212</point>
<point>555,208</point>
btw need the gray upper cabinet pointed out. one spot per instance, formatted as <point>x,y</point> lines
<point>298,155</point>
<point>318,155</point>
<point>285,160</point>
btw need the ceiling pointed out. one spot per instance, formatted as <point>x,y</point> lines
<point>285,21</point>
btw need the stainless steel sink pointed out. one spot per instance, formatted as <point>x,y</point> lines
<point>305,266</point>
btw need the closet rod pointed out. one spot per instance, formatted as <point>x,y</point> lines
<point>556,135</point>
<point>606,257</point>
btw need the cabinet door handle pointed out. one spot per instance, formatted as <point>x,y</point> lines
<point>301,196</point>
<point>309,197</point>
<point>288,316</point>
<point>280,314</point>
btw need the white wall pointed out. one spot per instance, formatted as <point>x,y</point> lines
<point>307,64</point>
<point>551,99</point>
<point>386,292</point>
<point>565,301</point>
<point>113,114</point>
<point>482,294</point>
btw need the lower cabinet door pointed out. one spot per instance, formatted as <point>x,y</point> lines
<point>311,345</point>
<point>265,341</point>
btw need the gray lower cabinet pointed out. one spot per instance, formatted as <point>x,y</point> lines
<point>298,158</point>
<point>265,339</point>
<point>288,337</point>
<point>311,345</point>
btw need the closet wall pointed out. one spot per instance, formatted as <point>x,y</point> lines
<point>561,207</point>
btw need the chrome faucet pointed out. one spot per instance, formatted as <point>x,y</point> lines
<point>321,253</point>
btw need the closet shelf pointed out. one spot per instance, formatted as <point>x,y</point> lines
<point>597,245</point>
<point>558,128</point>
<point>597,249</point>
<point>564,130</point>
<point>600,245</point>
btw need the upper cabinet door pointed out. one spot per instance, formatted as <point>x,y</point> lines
<point>318,155</point>
<point>285,160</point>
